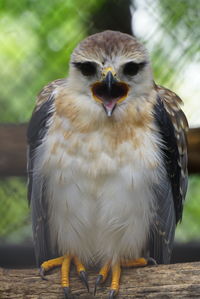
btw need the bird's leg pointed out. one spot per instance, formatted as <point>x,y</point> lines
<point>103,273</point>
<point>135,263</point>
<point>81,271</point>
<point>116,272</point>
<point>65,262</point>
<point>65,269</point>
<point>141,262</point>
<point>50,264</point>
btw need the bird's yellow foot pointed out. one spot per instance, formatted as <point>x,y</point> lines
<point>65,262</point>
<point>116,273</point>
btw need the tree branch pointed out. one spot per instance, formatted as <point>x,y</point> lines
<point>163,281</point>
<point>13,150</point>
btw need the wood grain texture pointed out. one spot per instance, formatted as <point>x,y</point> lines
<point>13,150</point>
<point>163,281</point>
<point>194,150</point>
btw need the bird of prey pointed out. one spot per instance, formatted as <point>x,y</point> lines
<point>107,163</point>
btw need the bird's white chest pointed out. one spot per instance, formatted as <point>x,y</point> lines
<point>101,204</point>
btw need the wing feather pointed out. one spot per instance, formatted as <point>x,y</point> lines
<point>171,191</point>
<point>176,156</point>
<point>37,182</point>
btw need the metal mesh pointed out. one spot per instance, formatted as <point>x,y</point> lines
<point>170,31</point>
<point>14,211</point>
<point>36,39</point>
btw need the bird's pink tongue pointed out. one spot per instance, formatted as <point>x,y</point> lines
<point>109,106</point>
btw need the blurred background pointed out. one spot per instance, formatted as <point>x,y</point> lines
<point>36,40</point>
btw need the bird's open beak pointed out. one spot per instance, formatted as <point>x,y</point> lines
<point>109,91</point>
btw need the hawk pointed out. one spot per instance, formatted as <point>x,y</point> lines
<point>107,163</point>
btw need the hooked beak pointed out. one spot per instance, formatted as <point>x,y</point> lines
<point>109,80</point>
<point>109,92</point>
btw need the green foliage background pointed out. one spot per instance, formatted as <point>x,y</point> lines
<point>36,40</point>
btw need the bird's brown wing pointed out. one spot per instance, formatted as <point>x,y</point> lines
<point>172,104</point>
<point>37,182</point>
<point>171,190</point>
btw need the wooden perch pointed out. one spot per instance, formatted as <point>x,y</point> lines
<point>163,281</point>
<point>13,150</point>
<point>194,150</point>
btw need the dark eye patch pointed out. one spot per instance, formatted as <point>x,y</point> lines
<point>132,68</point>
<point>86,68</point>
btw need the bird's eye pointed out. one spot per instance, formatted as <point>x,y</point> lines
<point>132,68</point>
<point>86,68</point>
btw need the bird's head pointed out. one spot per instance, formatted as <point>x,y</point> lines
<point>110,69</point>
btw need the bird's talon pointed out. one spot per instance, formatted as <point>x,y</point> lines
<point>67,294</point>
<point>97,282</point>
<point>81,271</point>
<point>84,279</point>
<point>151,262</point>
<point>42,273</point>
<point>112,294</point>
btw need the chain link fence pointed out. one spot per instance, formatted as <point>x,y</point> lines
<point>170,31</point>
<point>36,39</point>
<point>14,212</point>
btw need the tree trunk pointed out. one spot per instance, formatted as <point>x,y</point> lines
<point>163,281</point>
